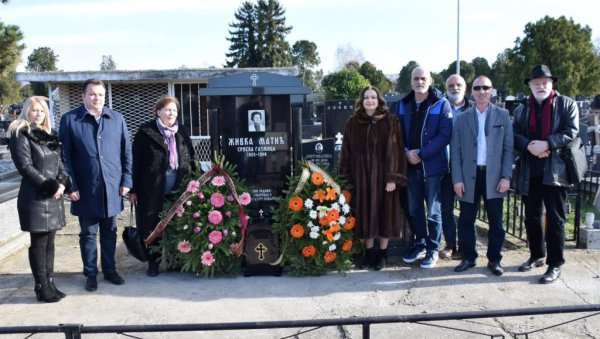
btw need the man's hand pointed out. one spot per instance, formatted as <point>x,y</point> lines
<point>459,189</point>
<point>503,185</point>
<point>123,190</point>
<point>412,157</point>
<point>74,196</point>
<point>539,148</point>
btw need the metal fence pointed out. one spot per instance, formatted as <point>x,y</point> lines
<point>74,331</point>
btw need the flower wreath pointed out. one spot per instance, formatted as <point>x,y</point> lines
<point>206,224</point>
<point>316,224</point>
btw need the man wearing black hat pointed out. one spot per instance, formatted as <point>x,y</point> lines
<point>544,124</point>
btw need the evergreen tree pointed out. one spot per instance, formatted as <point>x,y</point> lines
<point>42,59</point>
<point>10,56</point>
<point>306,58</point>
<point>467,71</point>
<point>563,45</point>
<point>345,84</point>
<point>403,82</point>
<point>258,38</point>
<point>243,48</point>
<point>375,77</point>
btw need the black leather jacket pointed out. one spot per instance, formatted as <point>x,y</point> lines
<point>564,128</point>
<point>36,155</point>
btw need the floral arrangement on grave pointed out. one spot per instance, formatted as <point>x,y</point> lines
<point>204,229</point>
<point>316,224</point>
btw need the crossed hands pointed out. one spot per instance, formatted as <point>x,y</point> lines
<point>539,148</point>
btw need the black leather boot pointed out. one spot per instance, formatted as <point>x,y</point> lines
<point>382,258</point>
<point>50,271</point>
<point>42,290</point>
<point>368,260</point>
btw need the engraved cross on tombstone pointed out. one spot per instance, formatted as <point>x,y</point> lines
<point>338,138</point>
<point>261,250</point>
<point>254,78</point>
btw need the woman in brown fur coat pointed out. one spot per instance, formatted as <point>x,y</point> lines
<point>372,161</point>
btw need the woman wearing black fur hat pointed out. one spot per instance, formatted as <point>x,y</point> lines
<point>35,150</point>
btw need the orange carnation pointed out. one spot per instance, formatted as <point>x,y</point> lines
<point>347,245</point>
<point>297,231</point>
<point>329,256</point>
<point>316,178</point>
<point>347,195</point>
<point>308,251</point>
<point>333,214</point>
<point>319,195</point>
<point>350,223</point>
<point>324,220</point>
<point>295,203</point>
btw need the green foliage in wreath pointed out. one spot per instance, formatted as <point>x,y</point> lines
<point>316,225</point>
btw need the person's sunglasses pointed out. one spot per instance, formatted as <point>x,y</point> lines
<point>479,88</point>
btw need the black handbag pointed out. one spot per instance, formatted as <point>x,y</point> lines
<point>575,161</point>
<point>133,240</point>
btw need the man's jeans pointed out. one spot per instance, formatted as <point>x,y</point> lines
<point>426,227</point>
<point>108,244</point>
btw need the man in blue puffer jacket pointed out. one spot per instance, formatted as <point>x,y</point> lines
<point>426,121</point>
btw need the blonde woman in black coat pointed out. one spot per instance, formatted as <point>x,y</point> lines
<point>35,150</point>
<point>162,155</point>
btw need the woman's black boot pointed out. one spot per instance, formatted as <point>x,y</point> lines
<point>369,259</point>
<point>42,290</point>
<point>54,289</point>
<point>44,293</point>
<point>381,259</point>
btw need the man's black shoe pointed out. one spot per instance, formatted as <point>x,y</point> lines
<point>551,275</point>
<point>464,265</point>
<point>496,268</point>
<point>91,284</point>
<point>530,264</point>
<point>114,278</point>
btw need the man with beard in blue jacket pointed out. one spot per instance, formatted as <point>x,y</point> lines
<point>426,124</point>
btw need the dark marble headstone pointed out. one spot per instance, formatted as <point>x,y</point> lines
<point>335,116</point>
<point>322,153</point>
<point>255,136</point>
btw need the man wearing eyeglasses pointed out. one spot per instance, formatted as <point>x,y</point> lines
<point>543,126</point>
<point>456,88</point>
<point>481,169</point>
<point>427,128</point>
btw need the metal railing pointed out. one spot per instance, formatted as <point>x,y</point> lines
<point>74,331</point>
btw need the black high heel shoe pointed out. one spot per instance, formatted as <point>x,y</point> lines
<point>45,294</point>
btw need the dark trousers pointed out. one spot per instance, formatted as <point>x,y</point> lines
<point>108,243</point>
<point>448,222</point>
<point>467,237</point>
<point>553,197</point>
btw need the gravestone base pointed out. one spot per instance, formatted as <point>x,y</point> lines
<point>589,238</point>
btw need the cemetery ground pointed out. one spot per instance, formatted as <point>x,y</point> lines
<point>180,298</point>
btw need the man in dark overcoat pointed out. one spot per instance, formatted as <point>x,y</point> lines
<point>97,155</point>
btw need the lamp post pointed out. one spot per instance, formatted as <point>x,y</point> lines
<point>458,37</point>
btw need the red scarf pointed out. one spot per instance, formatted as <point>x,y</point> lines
<point>546,115</point>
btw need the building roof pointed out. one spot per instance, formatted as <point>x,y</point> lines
<point>196,74</point>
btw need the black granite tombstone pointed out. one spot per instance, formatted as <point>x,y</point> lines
<point>322,153</point>
<point>335,116</point>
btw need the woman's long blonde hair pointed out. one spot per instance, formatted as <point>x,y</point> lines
<point>23,121</point>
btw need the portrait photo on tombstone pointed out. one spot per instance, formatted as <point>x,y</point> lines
<point>256,120</point>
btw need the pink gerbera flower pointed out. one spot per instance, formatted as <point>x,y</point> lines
<point>179,211</point>
<point>215,217</point>
<point>215,237</point>
<point>207,258</point>
<point>193,186</point>
<point>219,180</point>
<point>217,200</point>
<point>184,246</point>
<point>245,198</point>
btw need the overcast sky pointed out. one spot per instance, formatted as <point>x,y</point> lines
<point>158,34</point>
